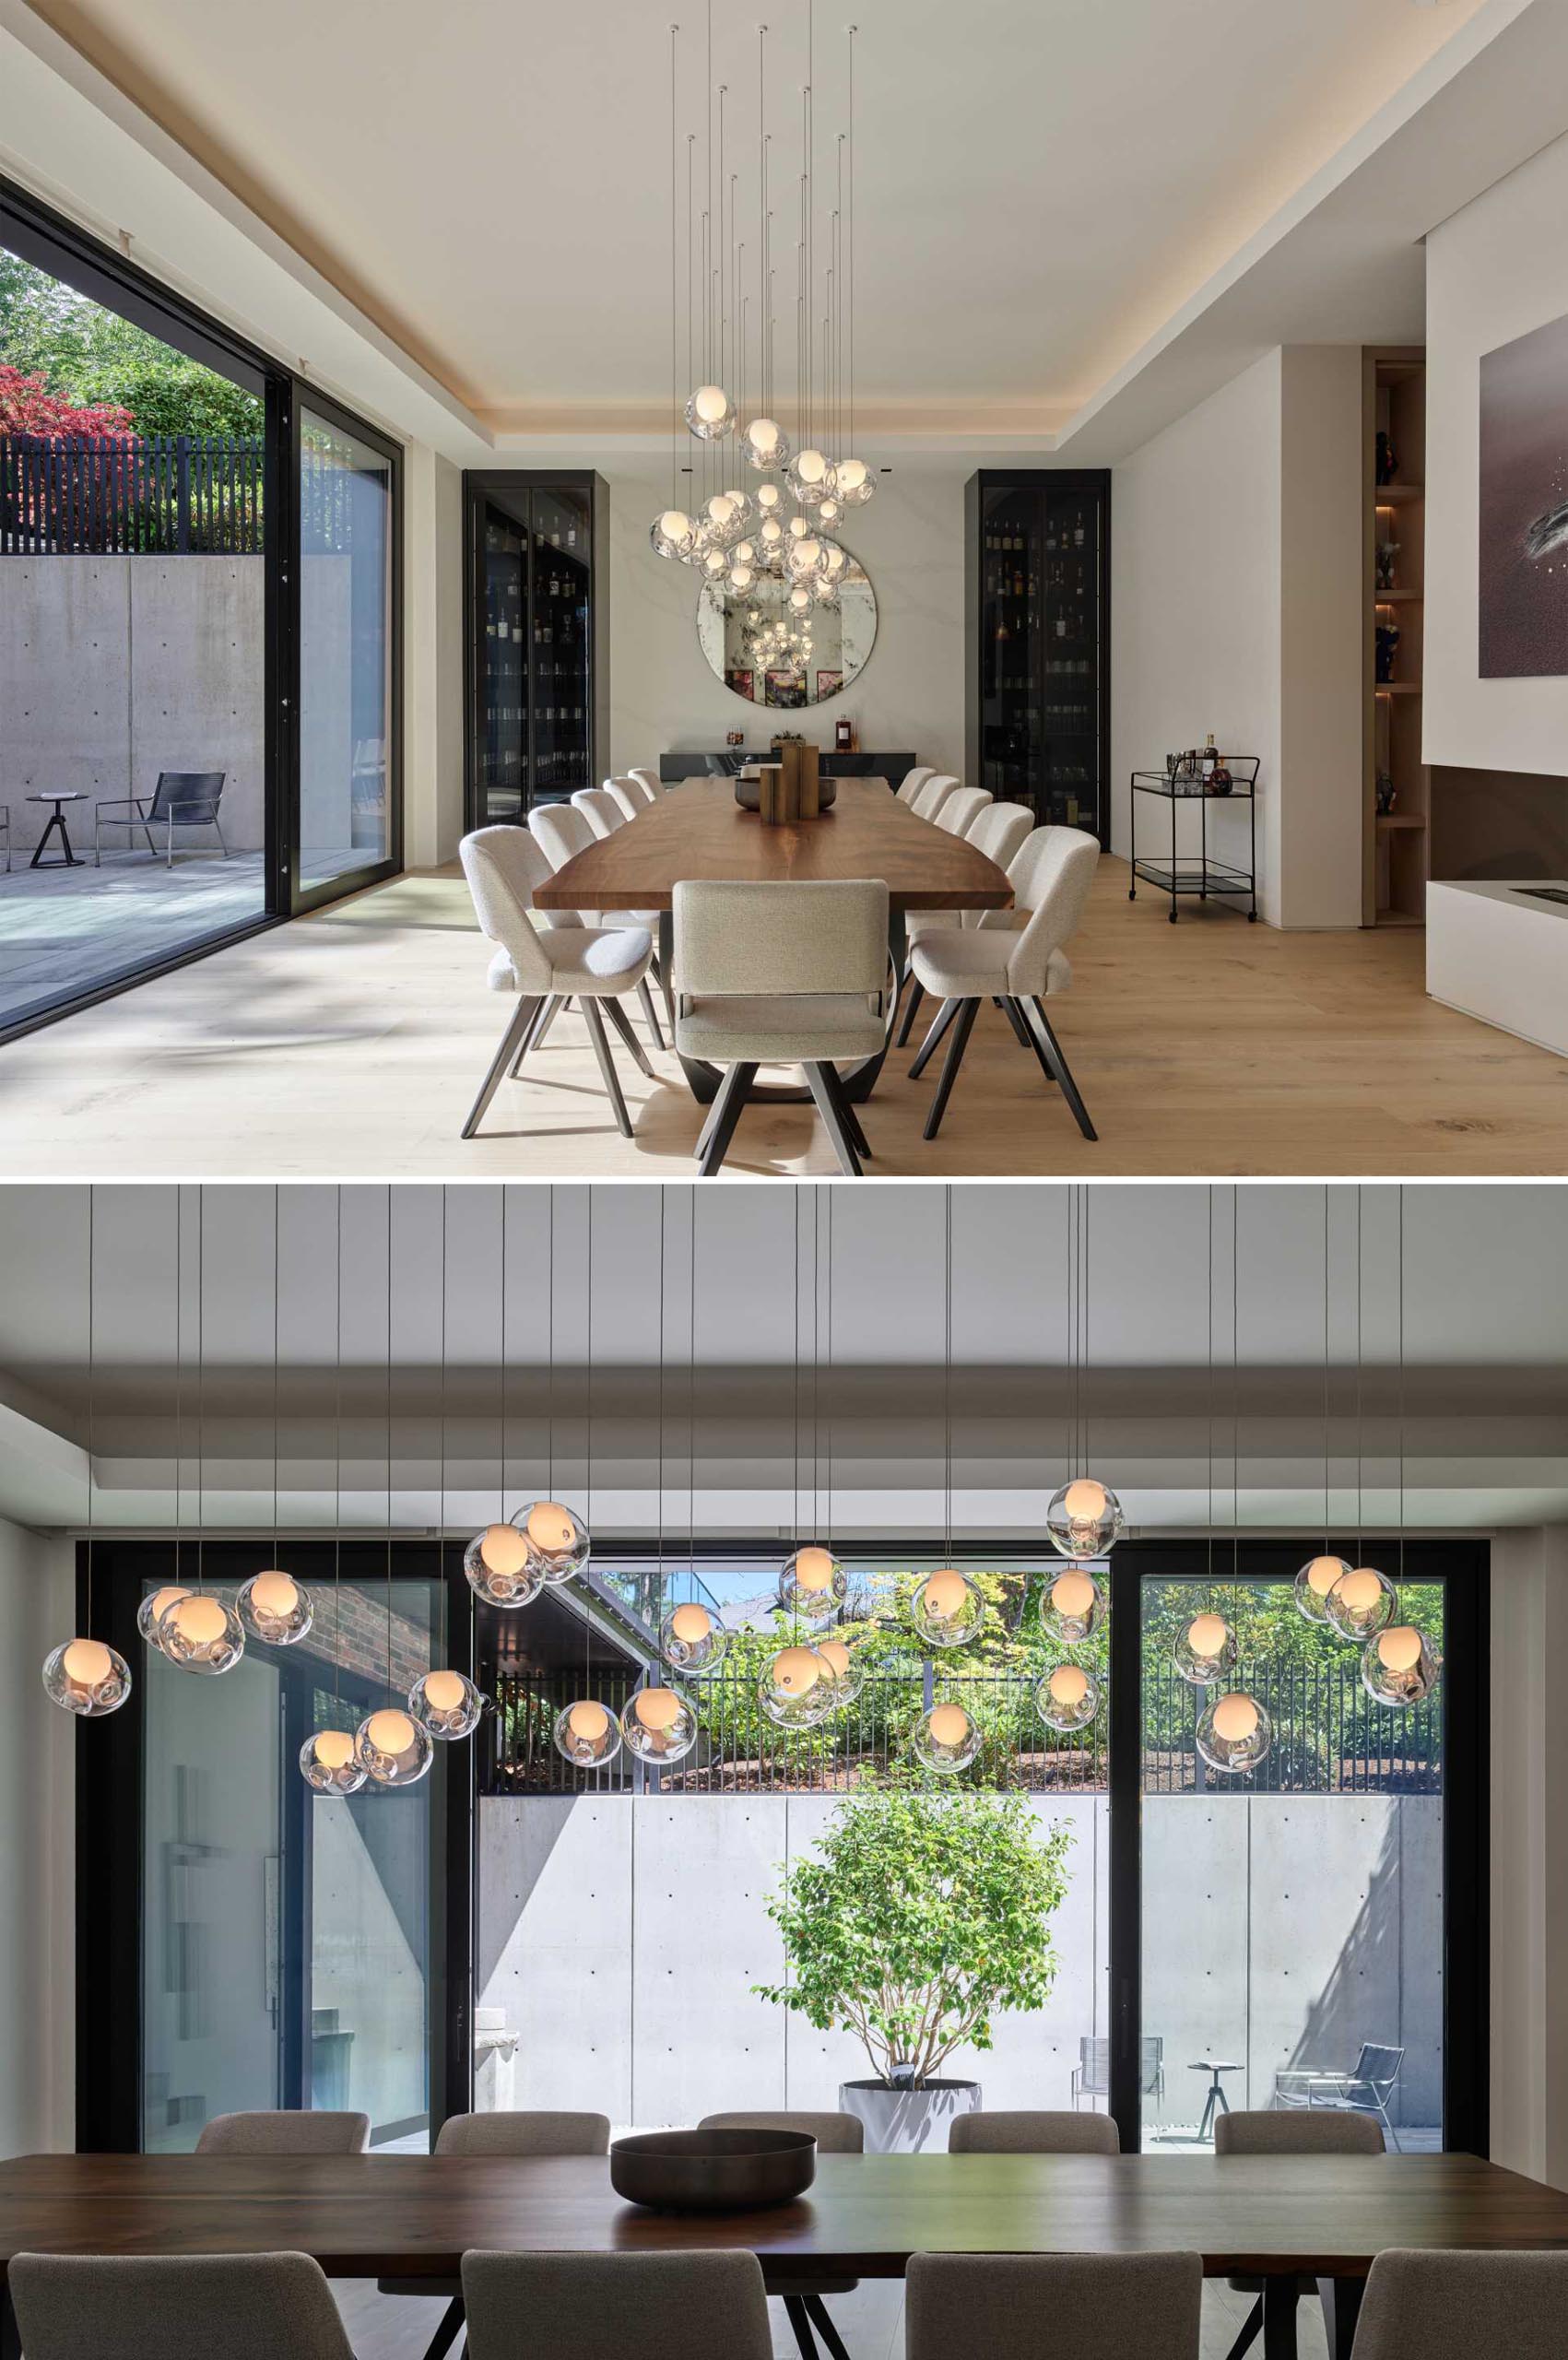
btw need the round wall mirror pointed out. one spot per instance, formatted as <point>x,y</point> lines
<point>768,655</point>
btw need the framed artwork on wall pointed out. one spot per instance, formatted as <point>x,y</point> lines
<point>1522,587</point>
<point>828,684</point>
<point>742,680</point>
<point>787,688</point>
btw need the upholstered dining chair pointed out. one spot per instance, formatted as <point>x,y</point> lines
<point>537,2133</point>
<point>563,830</point>
<point>961,810</point>
<point>1325,2131</point>
<point>934,794</point>
<point>998,832</point>
<point>696,2306</point>
<point>247,2307</point>
<point>549,964</point>
<point>836,2134</point>
<point>1016,2306</point>
<point>913,781</point>
<point>964,966</point>
<point>649,782</point>
<point>295,2132</point>
<point>600,809</point>
<point>628,794</point>
<point>781,975</point>
<point>1464,2307</point>
<point>1007,2133</point>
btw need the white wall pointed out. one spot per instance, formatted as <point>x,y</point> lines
<point>432,657</point>
<point>37,1850</point>
<point>1493,272</point>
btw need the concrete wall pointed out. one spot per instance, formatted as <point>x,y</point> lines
<point>37,1850</point>
<point>367,1964</point>
<point>112,669</point>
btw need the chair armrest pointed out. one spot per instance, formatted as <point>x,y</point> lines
<point>120,803</point>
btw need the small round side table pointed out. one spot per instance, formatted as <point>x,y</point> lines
<point>1215,2101</point>
<point>68,858</point>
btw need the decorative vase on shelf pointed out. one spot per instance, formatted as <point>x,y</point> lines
<point>1387,649</point>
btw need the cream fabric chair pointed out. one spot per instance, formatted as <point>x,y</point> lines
<point>600,809</point>
<point>1464,2307</point>
<point>563,830</point>
<point>628,794</point>
<point>649,782</point>
<point>836,2134</point>
<point>245,2306</point>
<point>1317,2131</point>
<point>294,2132</point>
<point>1004,2133</point>
<point>999,833</point>
<point>781,975</point>
<point>913,781</point>
<point>550,964</point>
<point>1020,2306</point>
<point>694,2305</point>
<point>962,808</point>
<point>963,967</point>
<point>934,794</point>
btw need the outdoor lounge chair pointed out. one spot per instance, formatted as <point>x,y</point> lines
<point>180,799</point>
<point>1091,2074</point>
<point>1366,2090</point>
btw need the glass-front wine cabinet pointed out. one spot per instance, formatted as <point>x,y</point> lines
<point>1037,604</point>
<point>538,640</point>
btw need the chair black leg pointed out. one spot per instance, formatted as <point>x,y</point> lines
<point>969,1010</point>
<point>1015,1008</point>
<point>516,1033</point>
<point>944,1016</point>
<point>817,2312</point>
<point>622,1023</point>
<point>720,1127</point>
<point>1341,2300</point>
<point>651,1012</point>
<point>847,1116</point>
<point>916,995</point>
<point>606,1066</point>
<point>1015,1019</point>
<point>449,2330</point>
<point>828,1107</point>
<point>795,2307</point>
<point>1051,1049</point>
<point>549,1010</point>
<point>1248,2336</point>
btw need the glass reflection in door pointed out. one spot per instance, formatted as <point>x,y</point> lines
<point>347,722</point>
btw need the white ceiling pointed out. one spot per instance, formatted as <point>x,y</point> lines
<point>1040,183</point>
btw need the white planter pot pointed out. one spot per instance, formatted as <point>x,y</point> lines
<point>907,2123</point>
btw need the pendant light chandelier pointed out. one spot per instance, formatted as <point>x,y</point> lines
<point>692,1640</point>
<point>1084,1518</point>
<point>156,1604</point>
<point>1072,1602</point>
<point>657,1723</point>
<point>273,1606</point>
<point>1320,1573</point>
<point>390,1747</point>
<point>1363,1600</point>
<point>86,1676</point>
<point>947,1609</point>
<point>1234,1732</point>
<point>730,410</point>
<point>328,1762</point>
<point>798,1688</point>
<point>1400,1667</point>
<point>443,1700</point>
<point>1205,1651</point>
<point>587,1733</point>
<point>200,1631</point>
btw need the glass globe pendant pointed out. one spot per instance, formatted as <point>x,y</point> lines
<point>691,1640</point>
<point>447,1704</point>
<point>847,1672</point>
<point>1361,1603</point>
<point>328,1766</point>
<point>1235,1733</point>
<point>198,1632</point>
<point>672,533</point>
<point>742,509</point>
<point>1084,1518</point>
<point>834,560</point>
<point>947,1610</point>
<point>1067,1698</point>
<point>715,564</point>
<point>946,1739</point>
<point>853,482</point>
<point>743,553</point>
<point>1071,1606</point>
<point>152,1610</point>
<point>275,1608</point>
<point>741,578</point>
<point>812,1584</point>
<point>796,1690</point>
<point>764,446</point>
<point>1205,1650</point>
<point>723,519</point>
<point>500,1568</point>
<point>1398,1668</point>
<point>392,1749</point>
<point>803,556</point>
<point>587,1734</point>
<point>828,511</point>
<point>1315,1581</point>
<point>824,593</point>
<point>88,1679</point>
<point>658,1725</point>
<point>558,1541</point>
<point>810,477</point>
<point>710,413</point>
<point>799,600</point>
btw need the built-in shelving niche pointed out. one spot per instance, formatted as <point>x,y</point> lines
<point>1396,849</point>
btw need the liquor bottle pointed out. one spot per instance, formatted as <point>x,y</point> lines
<point>1208,760</point>
<point>1078,531</point>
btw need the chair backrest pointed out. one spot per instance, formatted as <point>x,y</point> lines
<point>524,2134</point>
<point>1014,2306</point>
<point>649,782</point>
<point>697,2305</point>
<point>560,831</point>
<point>248,2307</point>
<point>1380,2067</point>
<point>836,2134</point>
<point>750,941</point>
<point>934,794</point>
<point>1460,2306</point>
<point>503,865</point>
<point>1004,2133</point>
<point>190,796</point>
<point>600,809</point>
<point>962,808</point>
<point>1051,880</point>
<point>913,781</point>
<point>629,797</point>
<point>1000,830</point>
<point>1298,2130</point>
<point>300,2133</point>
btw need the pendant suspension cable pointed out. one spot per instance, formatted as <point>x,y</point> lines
<point>389,1685</point>
<point>550,1353</point>
<point>1361,1548</point>
<point>1208,1305</point>
<point>588,1389</point>
<point>92,1388</point>
<point>852,30</point>
<point>691,1399</point>
<point>277,1289</point>
<point>1235,1392</point>
<point>179,1377</point>
<point>948,1370</point>
<point>1325,1419</point>
<point>1399,1201</point>
<point>201,1385</point>
<point>337,1455</point>
<point>827,1534</point>
<point>502,1352</point>
<point>674,325</point>
<point>441,1401</point>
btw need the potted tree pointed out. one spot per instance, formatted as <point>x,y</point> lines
<point>920,1918</point>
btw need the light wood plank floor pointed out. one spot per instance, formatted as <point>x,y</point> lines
<point>351,1043</point>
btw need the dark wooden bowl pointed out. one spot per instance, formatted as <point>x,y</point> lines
<point>712,2171</point>
<point>749,793</point>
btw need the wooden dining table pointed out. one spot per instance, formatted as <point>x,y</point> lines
<point>1280,2218</point>
<point>699,831</point>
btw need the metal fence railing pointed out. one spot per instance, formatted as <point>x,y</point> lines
<point>1329,1737</point>
<point>155,495</point>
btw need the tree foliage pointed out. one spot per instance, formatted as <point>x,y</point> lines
<point>921,1918</point>
<point>91,358</point>
<point>27,407</point>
